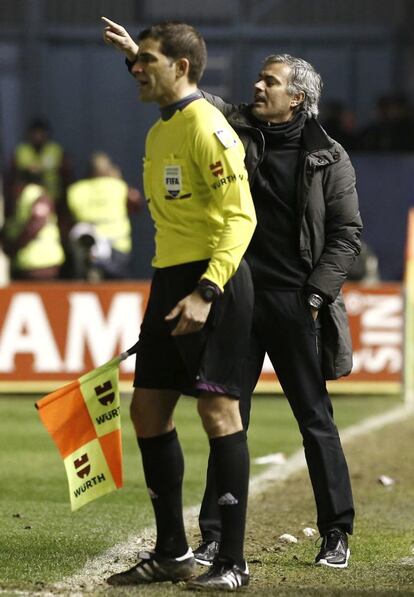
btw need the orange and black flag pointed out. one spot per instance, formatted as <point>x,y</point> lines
<point>84,421</point>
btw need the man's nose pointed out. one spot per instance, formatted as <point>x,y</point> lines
<point>259,85</point>
<point>137,68</point>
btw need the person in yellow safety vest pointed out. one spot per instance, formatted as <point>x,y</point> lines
<point>41,156</point>
<point>31,237</point>
<point>99,206</point>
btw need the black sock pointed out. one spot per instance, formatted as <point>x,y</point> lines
<point>230,457</point>
<point>163,464</point>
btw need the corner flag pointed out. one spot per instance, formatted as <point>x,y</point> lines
<point>83,418</point>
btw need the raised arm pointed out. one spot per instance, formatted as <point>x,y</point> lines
<point>117,36</point>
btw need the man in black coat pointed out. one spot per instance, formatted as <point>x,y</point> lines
<point>307,237</point>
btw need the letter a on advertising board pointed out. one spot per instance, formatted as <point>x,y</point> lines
<point>84,421</point>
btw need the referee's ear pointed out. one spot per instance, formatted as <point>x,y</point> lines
<point>182,67</point>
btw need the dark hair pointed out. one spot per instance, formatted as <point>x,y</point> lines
<point>179,40</point>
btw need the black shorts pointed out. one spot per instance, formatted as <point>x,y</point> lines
<point>210,360</point>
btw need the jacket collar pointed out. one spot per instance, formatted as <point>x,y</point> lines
<point>319,148</point>
<point>317,145</point>
<point>314,138</point>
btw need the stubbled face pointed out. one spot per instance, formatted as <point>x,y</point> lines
<point>155,73</point>
<point>272,102</point>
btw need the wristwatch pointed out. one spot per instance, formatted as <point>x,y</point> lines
<point>208,290</point>
<point>315,301</point>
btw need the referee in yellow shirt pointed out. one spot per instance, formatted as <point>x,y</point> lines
<point>195,330</point>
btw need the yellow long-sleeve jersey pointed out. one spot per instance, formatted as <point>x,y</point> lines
<point>197,190</point>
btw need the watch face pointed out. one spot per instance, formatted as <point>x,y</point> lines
<point>207,293</point>
<point>315,301</point>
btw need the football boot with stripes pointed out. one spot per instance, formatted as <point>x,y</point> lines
<point>222,576</point>
<point>155,568</point>
<point>334,550</point>
<point>206,552</point>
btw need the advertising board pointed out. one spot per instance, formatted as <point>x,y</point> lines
<point>53,333</point>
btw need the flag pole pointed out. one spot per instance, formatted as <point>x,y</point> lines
<point>129,352</point>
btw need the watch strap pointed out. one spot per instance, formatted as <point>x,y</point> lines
<point>208,290</point>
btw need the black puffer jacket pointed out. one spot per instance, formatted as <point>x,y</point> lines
<point>329,223</point>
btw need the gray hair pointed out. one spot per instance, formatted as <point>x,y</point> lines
<point>303,78</point>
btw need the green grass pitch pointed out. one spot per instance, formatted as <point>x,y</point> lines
<point>41,541</point>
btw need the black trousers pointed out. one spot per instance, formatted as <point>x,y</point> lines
<point>210,360</point>
<point>284,328</point>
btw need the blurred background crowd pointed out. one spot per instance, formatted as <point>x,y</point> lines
<point>58,227</point>
<point>72,131</point>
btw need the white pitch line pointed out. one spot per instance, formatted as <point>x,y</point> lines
<point>296,462</point>
<point>121,555</point>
